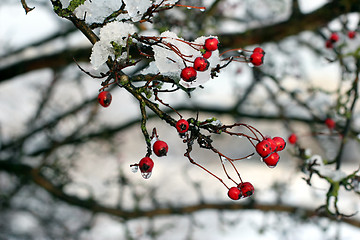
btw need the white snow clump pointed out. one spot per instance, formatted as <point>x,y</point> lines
<point>96,11</point>
<point>117,32</point>
<point>136,8</point>
<point>335,175</point>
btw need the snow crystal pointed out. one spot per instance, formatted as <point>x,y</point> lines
<point>117,32</point>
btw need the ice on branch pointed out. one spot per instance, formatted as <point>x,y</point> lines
<point>114,32</point>
<point>175,53</point>
<point>136,8</point>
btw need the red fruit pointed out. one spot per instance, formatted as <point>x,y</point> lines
<point>329,44</point>
<point>272,143</point>
<point>334,37</point>
<point>280,143</point>
<point>160,148</point>
<point>292,138</point>
<point>330,123</point>
<point>182,126</point>
<point>188,74</point>
<point>259,50</point>
<point>351,34</point>
<point>263,148</point>
<point>104,98</point>
<point>257,59</point>
<point>201,64</point>
<point>234,193</point>
<point>211,44</point>
<point>207,54</point>
<point>272,159</point>
<point>146,165</point>
<point>246,188</point>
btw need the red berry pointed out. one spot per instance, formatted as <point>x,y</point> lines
<point>257,59</point>
<point>351,34</point>
<point>211,44</point>
<point>292,138</point>
<point>272,159</point>
<point>188,74</point>
<point>201,64</point>
<point>263,148</point>
<point>160,148</point>
<point>182,126</point>
<point>246,188</point>
<point>234,193</point>
<point>259,50</point>
<point>104,98</point>
<point>272,143</point>
<point>334,37</point>
<point>280,143</point>
<point>330,123</point>
<point>146,165</point>
<point>207,54</point>
<point>329,44</point>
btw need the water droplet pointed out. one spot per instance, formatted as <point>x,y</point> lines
<point>261,159</point>
<point>240,136</point>
<point>134,168</point>
<point>251,65</point>
<point>146,175</point>
<point>249,157</point>
<point>239,50</point>
<point>189,8</point>
<point>202,9</point>
<point>223,159</point>
<point>271,166</point>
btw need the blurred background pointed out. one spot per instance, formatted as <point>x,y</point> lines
<point>64,160</point>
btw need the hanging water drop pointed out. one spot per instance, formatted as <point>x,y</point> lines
<point>202,9</point>
<point>134,168</point>
<point>251,65</point>
<point>239,50</point>
<point>189,8</point>
<point>240,136</point>
<point>223,159</point>
<point>146,175</point>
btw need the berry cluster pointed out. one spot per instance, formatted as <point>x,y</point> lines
<point>243,190</point>
<point>195,62</point>
<point>201,64</point>
<point>268,149</point>
<point>257,58</point>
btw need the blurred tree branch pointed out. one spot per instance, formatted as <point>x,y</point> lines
<point>34,175</point>
<point>295,24</point>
